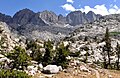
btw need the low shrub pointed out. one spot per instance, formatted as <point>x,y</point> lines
<point>13,74</point>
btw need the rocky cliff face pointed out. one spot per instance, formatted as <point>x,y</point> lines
<point>77,17</point>
<point>91,16</point>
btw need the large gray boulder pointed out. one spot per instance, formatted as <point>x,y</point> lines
<point>51,69</point>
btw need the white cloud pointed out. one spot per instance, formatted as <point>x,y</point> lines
<point>101,9</point>
<point>71,1</point>
<point>116,7</point>
<point>114,10</point>
<point>68,7</point>
<point>98,9</point>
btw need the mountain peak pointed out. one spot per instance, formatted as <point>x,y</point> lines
<point>90,12</point>
<point>48,16</point>
<point>27,16</point>
<point>24,11</point>
<point>77,17</point>
<point>22,17</point>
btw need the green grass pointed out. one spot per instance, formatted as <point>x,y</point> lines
<point>114,33</point>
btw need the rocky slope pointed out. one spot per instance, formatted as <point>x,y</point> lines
<point>8,40</point>
<point>91,36</point>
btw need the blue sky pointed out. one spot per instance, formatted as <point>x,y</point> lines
<point>103,7</point>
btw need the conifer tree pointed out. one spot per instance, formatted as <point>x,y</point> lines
<point>118,55</point>
<point>48,56</point>
<point>20,58</point>
<point>104,58</point>
<point>62,53</point>
<point>36,53</point>
<point>107,47</point>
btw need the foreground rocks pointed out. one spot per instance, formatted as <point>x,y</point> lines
<point>52,69</point>
<point>83,68</point>
<point>49,69</point>
<point>80,71</point>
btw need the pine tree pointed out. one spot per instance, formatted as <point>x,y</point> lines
<point>62,53</point>
<point>118,55</point>
<point>48,56</point>
<point>20,58</point>
<point>36,53</point>
<point>107,47</point>
<point>104,58</point>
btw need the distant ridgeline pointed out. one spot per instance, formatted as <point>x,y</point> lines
<point>27,16</point>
